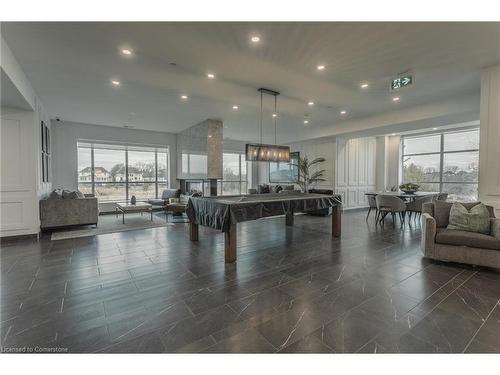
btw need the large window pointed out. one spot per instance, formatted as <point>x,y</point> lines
<point>285,172</point>
<point>116,172</point>
<point>234,178</point>
<point>445,162</point>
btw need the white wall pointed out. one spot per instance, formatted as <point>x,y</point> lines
<point>12,68</point>
<point>65,136</point>
<point>355,170</point>
<point>21,183</point>
<point>18,187</point>
<point>393,161</point>
<point>489,150</point>
<point>315,150</point>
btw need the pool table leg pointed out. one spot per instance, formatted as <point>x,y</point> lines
<point>336,221</point>
<point>193,231</point>
<point>289,218</point>
<point>230,244</point>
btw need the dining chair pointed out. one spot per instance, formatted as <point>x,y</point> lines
<point>390,204</point>
<point>441,197</point>
<point>415,207</point>
<point>372,206</point>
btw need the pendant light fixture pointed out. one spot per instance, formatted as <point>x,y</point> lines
<point>267,152</point>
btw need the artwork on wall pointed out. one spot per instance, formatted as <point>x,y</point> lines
<point>45,155</point>
<point>284,171</point>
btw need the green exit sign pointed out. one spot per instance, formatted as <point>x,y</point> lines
<point>400,82</point>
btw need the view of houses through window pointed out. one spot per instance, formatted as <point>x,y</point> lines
<point>447,162</point>
<point>234,178</point>
<point>116,172</point>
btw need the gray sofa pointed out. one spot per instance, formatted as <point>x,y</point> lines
<point>450,245</point>
<point>58,212</point>
<point>266,188</point>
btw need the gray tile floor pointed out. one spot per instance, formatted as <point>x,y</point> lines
<point>292,290</point>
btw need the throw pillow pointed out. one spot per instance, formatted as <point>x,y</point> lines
<point>66,194</point>
<point>79,194</point>
<point>476,220</point>
<point>277,188</point>
<point>56,194</point>
<point>72,195</point>
<point>263,189</point>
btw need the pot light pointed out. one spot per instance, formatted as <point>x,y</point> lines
<point>434,128</point>
<point>395,99</point>
<point>343,112</point>
<point>275,115</point>
<point>210,76</point>
<point>310,104</point>
<point>320,67</point>
<point>255,39</point>
<point>235,107</point>
<point>184,97</point>
<point>126,52</point>
<point>364,85</point>
<point>393,134</point>
<point>115,82</point>
<point>306,121</point>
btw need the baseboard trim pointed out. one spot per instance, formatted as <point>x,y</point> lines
<point>17,237</point>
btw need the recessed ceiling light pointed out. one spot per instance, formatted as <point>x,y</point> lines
<point>310,104</point>
<point>343,112</point>
<point>320,67</point>
<point>126,51</point>
<point>115,82</point>
<point>395,99</point>
<point>275,115</point>
<point>393,134</point>
<point>235,107</point>
<point>434,128</point>
<point>184,97</point>
<point>364,85</point>
<point>210,75</point>
<point>255,39</point>
<point>306,121</point>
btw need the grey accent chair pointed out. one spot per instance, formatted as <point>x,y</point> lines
<point>415,207</point>
<point>389,204</point>
<point>459,246</point>
<point>166,195</point>
<point>372,202</point>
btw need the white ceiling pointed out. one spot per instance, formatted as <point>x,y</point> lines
<point>70,66</point>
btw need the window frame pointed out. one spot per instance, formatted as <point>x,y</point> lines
<point>126,148</point>
<point>441,154</point>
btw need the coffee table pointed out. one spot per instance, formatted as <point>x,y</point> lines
<point>126,208</point>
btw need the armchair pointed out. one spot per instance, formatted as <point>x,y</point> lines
<point>450,245</point>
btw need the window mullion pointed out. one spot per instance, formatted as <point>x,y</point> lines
<point>441,164</point>
<point>156,173</point>
<point>126,174</point>
<point>92,169</point>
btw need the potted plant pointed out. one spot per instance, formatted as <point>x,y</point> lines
<point>305,176</point>
<point>409,188</point>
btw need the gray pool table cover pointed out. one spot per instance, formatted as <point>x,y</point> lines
<point>218,212</point>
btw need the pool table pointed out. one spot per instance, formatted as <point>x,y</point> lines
<point>225,212</point>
